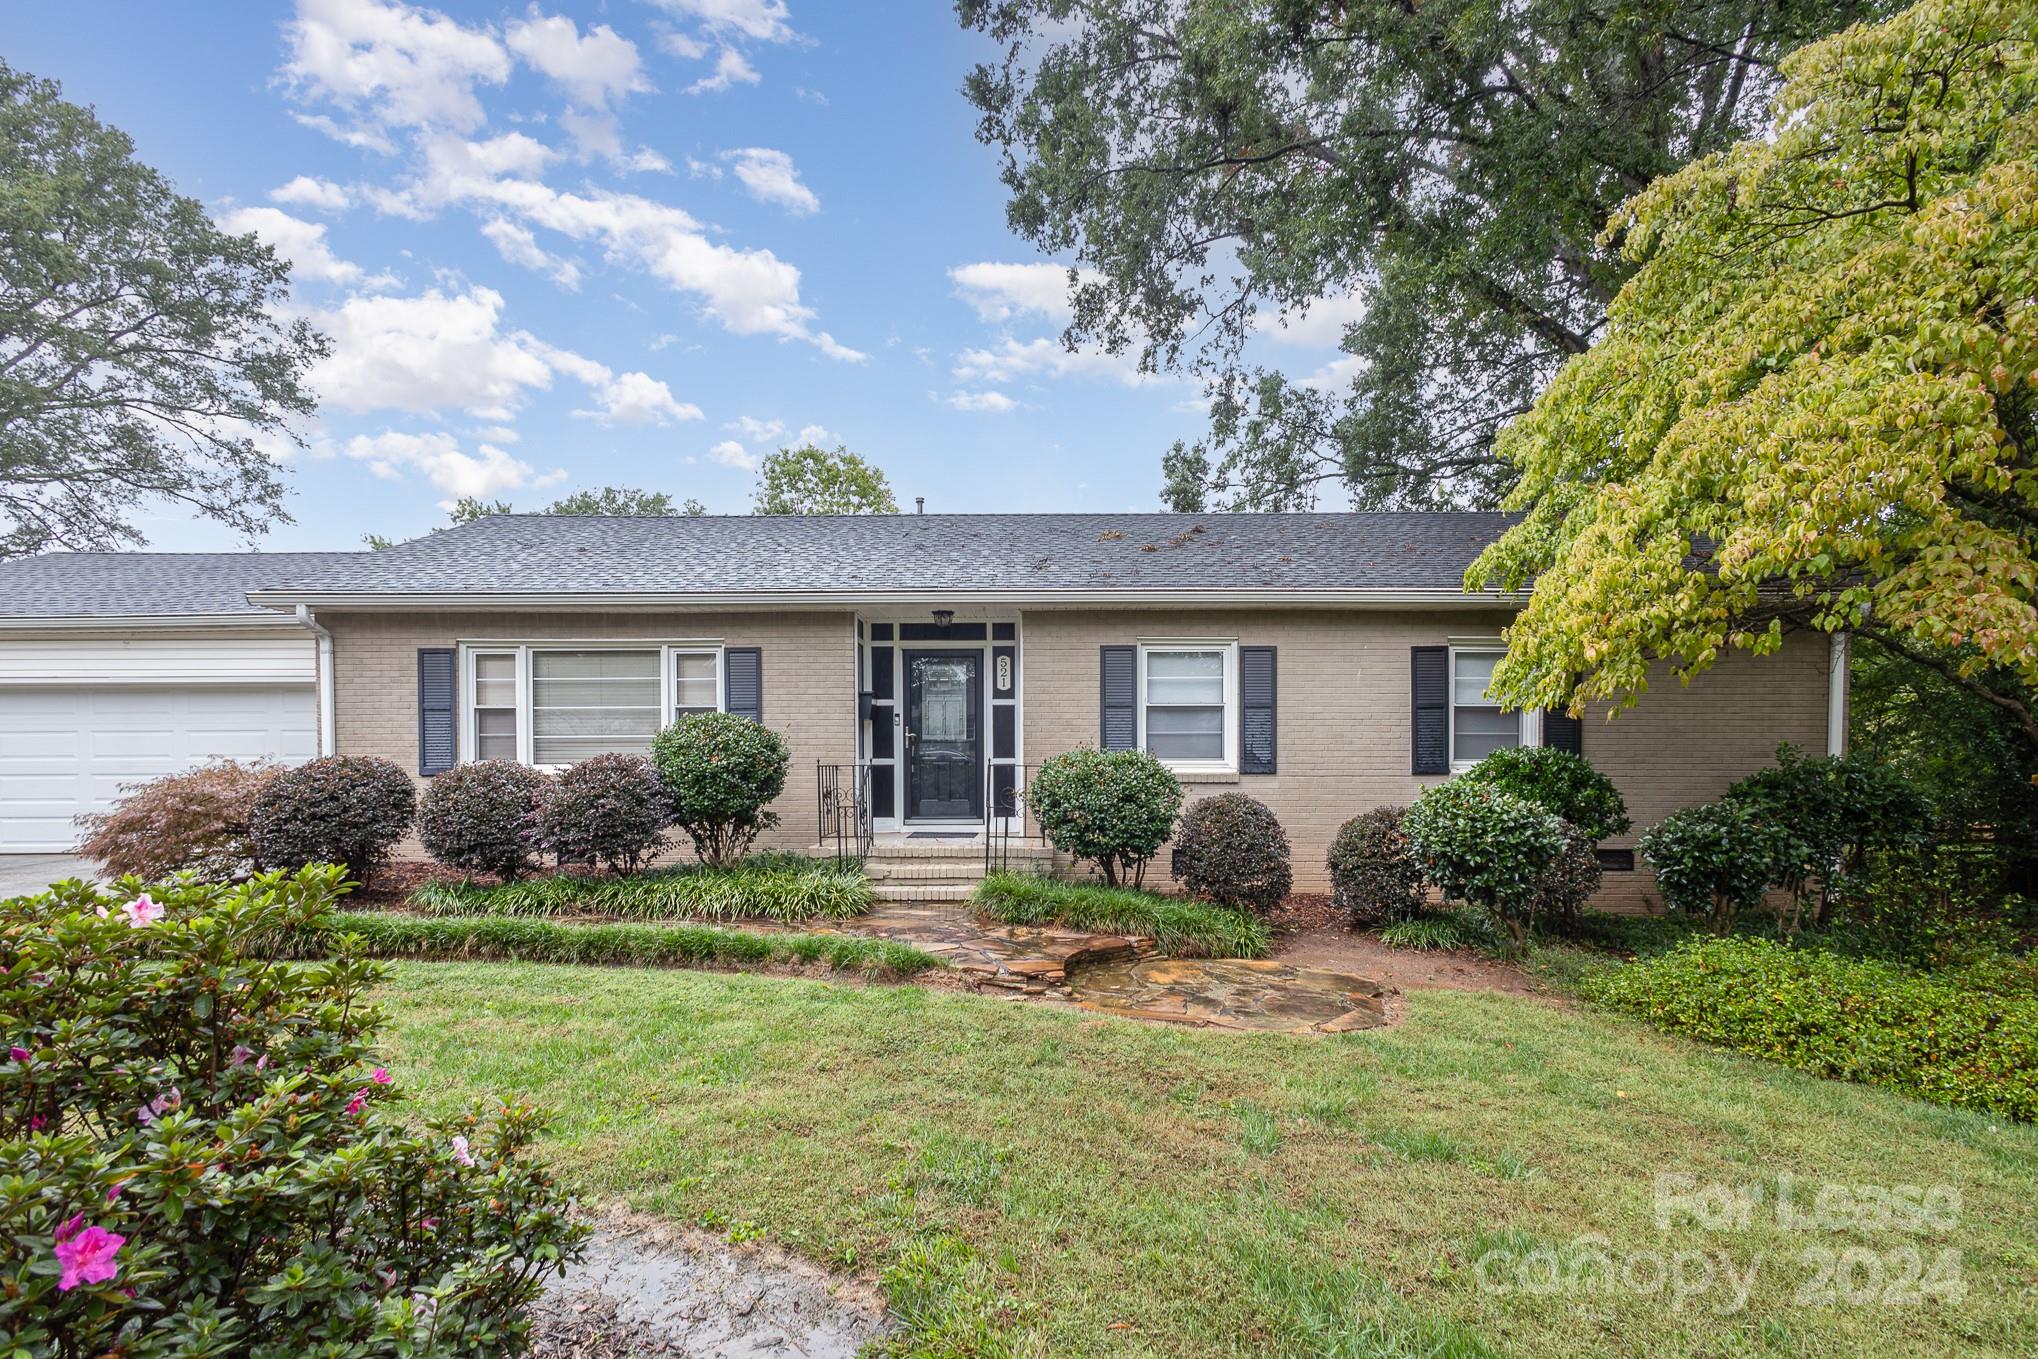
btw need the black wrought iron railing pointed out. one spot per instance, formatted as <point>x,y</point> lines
<point>1006,817</point>
<point>842,793</point>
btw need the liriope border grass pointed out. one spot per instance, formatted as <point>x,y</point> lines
<point>512,939</point>
<point>1182,928</point>
<point>686,892</point>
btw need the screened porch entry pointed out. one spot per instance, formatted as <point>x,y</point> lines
<point>938,719</point>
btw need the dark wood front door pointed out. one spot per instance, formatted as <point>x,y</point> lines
<point>944,735</point>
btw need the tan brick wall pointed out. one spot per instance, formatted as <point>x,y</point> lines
<point>1344,715</point>
<point>809,686</point>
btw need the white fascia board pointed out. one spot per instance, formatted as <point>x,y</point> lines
<point>148,622</point>
<point>806,599</point>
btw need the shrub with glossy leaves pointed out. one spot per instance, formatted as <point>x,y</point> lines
<point>194,822</point>
<point>341,809</point>
<point>1375,878</point>
<point>609,811</point>
<point>1568,882</point>
<point>1114,808</point>
<point>1231,849</point>
<point>1563,784</point>
<point>1712,860</point>
<point>1480,844</point>
<point>485,817</point>
<point>1826,815</point>
<point>202,1156</point>
<point>721,772</point>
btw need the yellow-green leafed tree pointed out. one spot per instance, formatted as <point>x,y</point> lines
<point>1815,403</point>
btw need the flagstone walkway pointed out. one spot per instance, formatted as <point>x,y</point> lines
<point>1118,975</point>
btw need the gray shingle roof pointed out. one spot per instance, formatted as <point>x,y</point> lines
<point>93,584</point>
<point>524,554</point>
<point>1048,553</point>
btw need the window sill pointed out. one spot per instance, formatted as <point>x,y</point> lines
<point>1204,775</point>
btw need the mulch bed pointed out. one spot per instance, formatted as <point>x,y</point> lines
<point>1302,912</point>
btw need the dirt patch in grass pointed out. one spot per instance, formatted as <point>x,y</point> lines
<point>653,1287</point>
<point>1341,950</point>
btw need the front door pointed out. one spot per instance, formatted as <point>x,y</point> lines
<point>944,735</point>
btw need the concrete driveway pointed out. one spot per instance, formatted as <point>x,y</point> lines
<point>24,875</point>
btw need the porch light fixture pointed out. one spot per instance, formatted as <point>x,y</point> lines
<point>943,617</point>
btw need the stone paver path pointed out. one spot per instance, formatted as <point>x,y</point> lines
<point>1118,975</point>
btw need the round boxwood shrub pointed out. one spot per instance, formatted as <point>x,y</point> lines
<point>1713,860</point>
<point>720,772</point>
<point>349,810</point>
<point>609,811</point>
<point>1563,784</point>
<point>1231,848</point>
<point>1114,808</point>
<point>203,1155</point>
<point>1374,876</point>
<point>484,817</point>
<point>1480,844</point>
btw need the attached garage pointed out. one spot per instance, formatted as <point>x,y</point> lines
<point>116,668</point>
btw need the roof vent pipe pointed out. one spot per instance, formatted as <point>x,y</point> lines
<point>919,504</point>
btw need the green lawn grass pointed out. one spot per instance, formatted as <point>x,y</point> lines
<point>1181,927</point>
<point>1032,1181</point>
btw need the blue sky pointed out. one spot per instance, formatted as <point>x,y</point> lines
<point>638,243</point>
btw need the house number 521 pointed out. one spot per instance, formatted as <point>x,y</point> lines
<point>1004,673</point>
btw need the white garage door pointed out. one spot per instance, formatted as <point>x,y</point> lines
<point>67,751</point>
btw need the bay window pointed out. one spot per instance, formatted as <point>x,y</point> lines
<point>1188,704</point>
<point>554,705</point>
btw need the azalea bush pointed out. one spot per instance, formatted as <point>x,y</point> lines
<point>721,772</point>
<point>200,1155</point>
<point>340,809</point>
<point>485,817</point>
<point>608,811</point>
<point>1115,808</point>
<point>195,822</point>
<point>1491,848</point>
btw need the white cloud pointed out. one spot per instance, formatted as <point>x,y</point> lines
<point>302,243</point>
<point>732,68</point>
<point>999,292</point>
<point>764,20</point>
<point>1012,359</point>
<point>639,399</point>
<point>729,453</point>
<point>817,435</point>
<point>307,192</point>
<point>682,45</point>
<point>1323,326</point>
<point>426,353</point>
<point>996,403</point>
<point>439,458</point>
<point>594,71</point>
<point>756,430</point>
<point>399,65</point>
<point>771,178</point>
<point>360,138</point>
<point>517,245</point>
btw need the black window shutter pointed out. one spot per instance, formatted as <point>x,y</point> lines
<point>1430,715</point>
<point>743,681</point>
<point>1256,702</point>
<point>438,710</point>
<point>1563,731</point>
<point>1118,689</point>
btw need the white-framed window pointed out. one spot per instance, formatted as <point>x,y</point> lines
<point>552,704</point>
<point>1478,725</point>
<point>1188,704</point>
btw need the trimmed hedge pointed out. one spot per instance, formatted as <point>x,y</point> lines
<point>1849,1019</point>
<point>1182,929</point>
<point>683,892</point>
<point>338,809</point>
<point>1232,850</point>
<point>1374,876</point>
<point>484,817</point>
<point>1115,808</point>
<point>388,935</point>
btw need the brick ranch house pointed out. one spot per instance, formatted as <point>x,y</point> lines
<point>918,665</point>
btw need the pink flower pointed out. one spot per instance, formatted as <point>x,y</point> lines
<point>37,1122</point>
<point>429,1223</point>
<point>381,1076</point>
<point>239,1056</point>
<point>262,1062</point>
<point>114,1192</point>
<point>86,1255</point>
<point>360,1098</point>
<point>460,1152</point>
<point>161,1104</point>
<point>19,1053</point>
<point>142,911</point>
